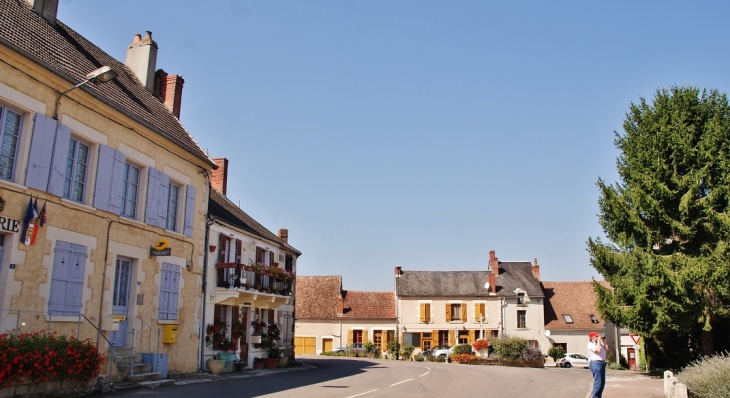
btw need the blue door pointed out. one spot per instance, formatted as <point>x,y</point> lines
<point>120,300</point>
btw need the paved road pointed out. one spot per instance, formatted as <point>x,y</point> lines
<point>350,378</point>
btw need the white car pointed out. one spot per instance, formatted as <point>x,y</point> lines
<point>573,359</point>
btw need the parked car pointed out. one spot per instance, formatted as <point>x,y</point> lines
<point>355,347</point>
<point>431,350</point>
<point>573,359</point>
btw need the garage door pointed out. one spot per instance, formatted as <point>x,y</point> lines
<point>304,345</point>
<point>326,345</point>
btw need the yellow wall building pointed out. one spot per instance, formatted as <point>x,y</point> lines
<point>117,174</point>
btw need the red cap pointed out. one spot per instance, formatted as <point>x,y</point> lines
<point>592,335</point>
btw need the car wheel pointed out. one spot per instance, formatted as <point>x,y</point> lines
<point>567,365</point>
<point>442,357</point>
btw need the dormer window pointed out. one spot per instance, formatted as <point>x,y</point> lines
<point>567,318</point>
<point>520,298</point>
<point>593,318</point>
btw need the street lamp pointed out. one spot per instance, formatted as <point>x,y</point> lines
<point>101,75</point>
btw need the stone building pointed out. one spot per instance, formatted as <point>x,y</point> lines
<point>104,193</point>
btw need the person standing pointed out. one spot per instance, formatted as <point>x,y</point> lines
<point>597,362</point>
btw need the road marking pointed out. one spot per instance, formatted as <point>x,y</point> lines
<point>366,392</point>
<point>400,382</point>
<point>424,374</point>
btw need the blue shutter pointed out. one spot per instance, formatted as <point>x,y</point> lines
<point>115,199</point>
<point>58,160</point>
<point>41,149</point>
<point>189,210</point>
<point>169,287</point>
<point>67,283</point>
<point>109,179</point>
<point>163,198</point>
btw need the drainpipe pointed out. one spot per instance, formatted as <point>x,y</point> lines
<point>204,283</point>
<point>501,321</point>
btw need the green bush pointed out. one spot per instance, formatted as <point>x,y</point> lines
<point>333,354</point>
<point>408,351</point>
<point>394,348</point>
<point>462,349</point>
<point>419,358</point>
<point>707,377</point>
<point>556,352</point>
<point>369,348</point>
<point>509,348</point>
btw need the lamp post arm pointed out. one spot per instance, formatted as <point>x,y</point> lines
<point>58,99</point>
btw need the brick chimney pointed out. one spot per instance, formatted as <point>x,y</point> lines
<point>536,270</point>
<point>284,234</point>
<point>492,283</point>
<point>493,262</point>
<point>398,272</point>
<point>219,177</point>
<point>169,88</point>
<point>142,59</point>
<point>48,9</point>
<point>340,306</point>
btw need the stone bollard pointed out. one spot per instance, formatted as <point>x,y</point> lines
<point>680,391</point>
<point>669,382</point>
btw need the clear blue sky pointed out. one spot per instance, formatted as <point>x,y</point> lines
<point>419,133</point>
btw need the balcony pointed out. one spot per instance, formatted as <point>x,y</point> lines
<point>255,285</point>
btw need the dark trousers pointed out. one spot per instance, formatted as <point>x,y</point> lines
<point>598,368</point>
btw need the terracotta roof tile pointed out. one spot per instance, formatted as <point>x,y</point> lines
<point>577,299</point>
<point>62,50</point>
<point>316,296</point>
<point>371,305</point>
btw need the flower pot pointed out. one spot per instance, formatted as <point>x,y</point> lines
<point>258,365</point>
<point>271,363</point>
<point>216,365</point>
<point>256,339</point>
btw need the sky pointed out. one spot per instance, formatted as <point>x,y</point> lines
<point>419,133</point>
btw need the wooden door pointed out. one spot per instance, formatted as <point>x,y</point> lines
<point>326,345</point>
<point>631,353</point>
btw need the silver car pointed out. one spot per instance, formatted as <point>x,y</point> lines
<point>573,359</point>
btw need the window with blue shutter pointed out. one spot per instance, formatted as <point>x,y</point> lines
<point>109,179</point>
<point>130,191</point>
<point>158,184</point>
<point>41,152</point>
<point>189,210</point>
<point>67,283</point>
<point>10,125</point>
<point>169,291</point>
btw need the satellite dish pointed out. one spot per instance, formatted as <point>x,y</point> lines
<point>486,285</point>
<point>547,333</point>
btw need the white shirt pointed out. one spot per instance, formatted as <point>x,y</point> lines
<point>593,355</point>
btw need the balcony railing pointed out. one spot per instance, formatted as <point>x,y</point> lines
<point>258,277</point>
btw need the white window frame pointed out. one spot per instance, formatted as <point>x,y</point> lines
<point>69,181</point>
<point>4,109</point>
<point>173,215</point>
<point>128,166</point>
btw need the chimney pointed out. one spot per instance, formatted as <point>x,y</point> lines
<point>492,283</point>
<point>398,273</point>
<point>340,306</point>
<point>169,88</point>
<point>493,262</point>
<point>48,9</point>
<point>142,59</point>
<point>284,235</point>
<point>536,270</point>
<point>219,177</point>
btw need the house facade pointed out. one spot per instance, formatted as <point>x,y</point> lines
<point>444,308</point>
<point>103,192</point>
<point>329,317</point>
<point>249,277</point>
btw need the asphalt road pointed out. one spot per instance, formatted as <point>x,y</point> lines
<point>350,378</point>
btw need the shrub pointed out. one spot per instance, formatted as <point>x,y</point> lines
<point>332,354</point>
<point>394,348</point>
<point>408,351</point>
<point>510,348</point>
<point>419,358</point>
<point>556,352</point>
<point>43,357</point>
<point>707,377</point>
<point>369,348</point>
<point>532,354</point>
<point>462,349</point>
<point>462,358</point>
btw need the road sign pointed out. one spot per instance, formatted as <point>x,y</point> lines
<point>635,338</point>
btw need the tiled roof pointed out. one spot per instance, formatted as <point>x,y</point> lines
<point>370,305</point>
<point>469,283</point>
<point>63,51</point>
<point>577,299</point>
<point>222,208</point>
<point>316,296</point>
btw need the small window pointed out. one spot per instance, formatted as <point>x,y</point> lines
<point>455,312</point>
<point>77,162</point>
<point>567,318</point>
<point>520,298</point>
<point>521,319</point>
<point>593,318</point>
<point>173,201</point>
<point>130,191</point>
<point>10,122</point>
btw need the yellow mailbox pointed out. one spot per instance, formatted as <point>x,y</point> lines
<point>169,334</point>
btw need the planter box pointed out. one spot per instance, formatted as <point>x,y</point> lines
<point>271,363</point>
<point>216,366</point>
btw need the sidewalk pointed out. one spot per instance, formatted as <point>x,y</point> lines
<point>190,378</point>
<point>629,384</point>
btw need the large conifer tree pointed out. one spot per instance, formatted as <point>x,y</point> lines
<point>668,220</point>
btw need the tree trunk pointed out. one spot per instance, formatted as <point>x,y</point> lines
<point>708,344</point>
